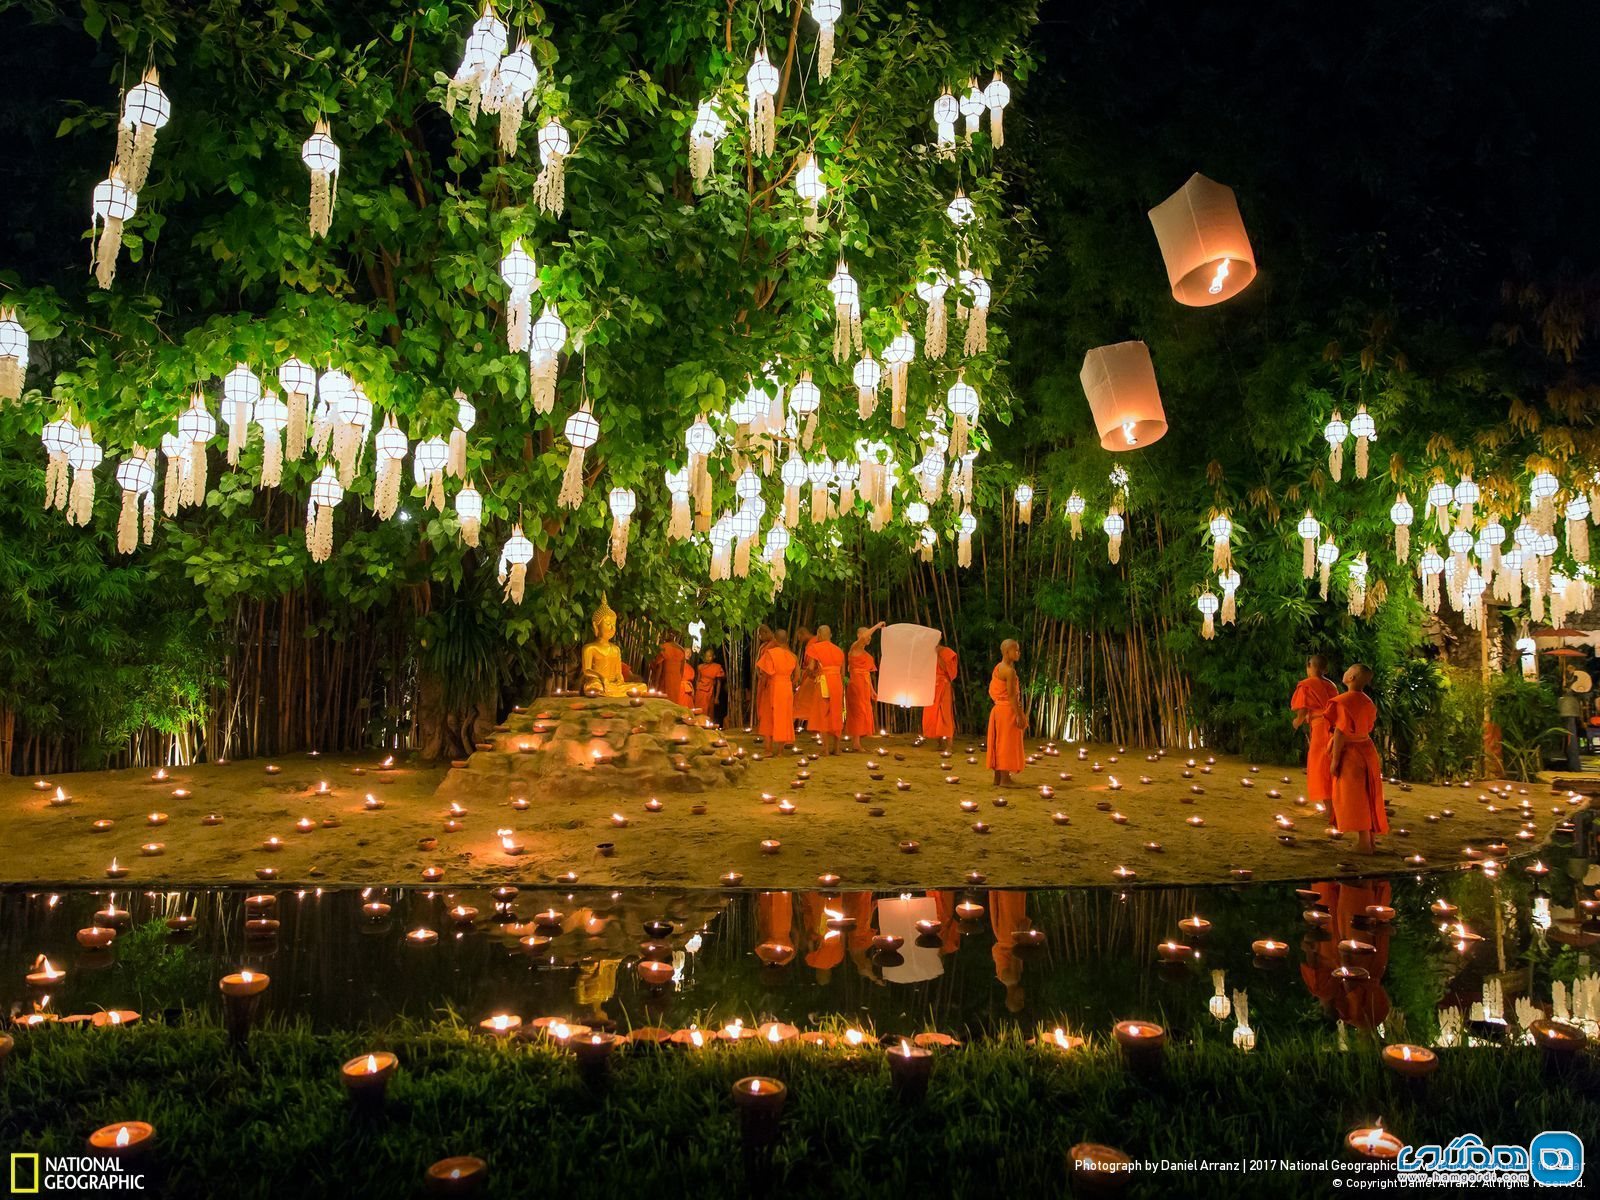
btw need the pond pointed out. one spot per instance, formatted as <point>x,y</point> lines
<point>336,962</point>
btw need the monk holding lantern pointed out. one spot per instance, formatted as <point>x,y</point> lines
<point>939,718</point>
<point>860,718</point>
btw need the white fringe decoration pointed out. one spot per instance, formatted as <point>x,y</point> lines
<point>550,188</point>
<point>761,84</point>
<point>977,314</point>
<point>582,431</point>
<point>322,158</point>
<point>931,292</point>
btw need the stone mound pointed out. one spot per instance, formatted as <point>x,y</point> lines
<point>599,746</point>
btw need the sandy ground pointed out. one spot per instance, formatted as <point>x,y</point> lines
<point>844,822</point>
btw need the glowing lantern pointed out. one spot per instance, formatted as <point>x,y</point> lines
<point>1508,579</point>
<point>177,456</point>
<point>1120,383</point>
<point>805,398</point>
<point>917,513</point>
<point>1075,507</point>
<point>930,474</point>
<point>582,431</point>
<point>930,290</point>
<point>145,111</point>
<point>826,14</point>
<point>1208,605</point>
<point>700,440</point>
<point>1402,515</point>
<point>1114,525</point>
<point>83,457</point>
<point>995,97</point>
<point>321,156</point>
<point>351,419</point>
<point>1466,496</point>
<point>721,538</point>
<point>960,210</point>
<point>946,111</point>
<point>1327,555</point>
<point>1356,596</point>
<point>897,356</point>
<point>1203,243</point>
<point>793,475</point>
<point>13,354</point>
<point>550,188</point>
<point>272,415</point>
<point>466,418</point>
<point>708,129</point>
<point>240,392</point>
<point>1244,1037</point>
<point>299,383</point>
<point>846,312</point>
<point>1218,1006</point>
<point>820,474</point>
<point>746,526</point>
<point>427,469</point>
<point>518,77</point>
<point>521,277</point>
<point>975,287</point>
<point>1490,539</point>
<point>1431,566</point>
<point>962,401</point>
<point>515,556</point>
<point>137,479</point>
<point>622,502</point>
<point>1365,430</point>
<point>59,437</point>
<point>333,390</point>
<point>972,108</point>
<point>776,548</point>
<point>1221,542</point>
<point>196,427</point>
<point>469,513</point>
<point>1440,497</point>
<point>908,671</point>
<point>808,185</point>
<point>761,82</point>
<point>927,540</point>
<point>1577,515</point>
<point>866,376</point>
<point>325,496</point>
<point>1541,501</point>
<point>965,527</point>
<point>1228,581</point>
<point>678,488</point>
<point>391,447</point>
<point>475,78</point>
<point>1024,497</point>
<point>114,203</point>
<point>545,343</point>
<point>1335,434</point>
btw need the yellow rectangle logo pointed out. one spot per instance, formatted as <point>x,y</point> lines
<point>16,1185</point>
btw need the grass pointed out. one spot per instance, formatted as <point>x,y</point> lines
<point>274,1121</point>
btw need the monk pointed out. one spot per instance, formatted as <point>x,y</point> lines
<point>686,687</point>
<point>825,664</point>
<point>1007,719</point>
<point>666,669</point>
<point>860,718</point>
<point>1310,704</point>
<point>708,684</point>
<point>775,720</point>
<point>763,640</point>
<point>939,718</point>
<point>805,696</point>
<point>1353,762</point>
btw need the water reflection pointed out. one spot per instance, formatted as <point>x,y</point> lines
<point>1372,955</point>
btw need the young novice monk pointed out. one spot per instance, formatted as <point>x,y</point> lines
<point>1353,761</point>
<point>1007,719</point>
<point>1310,704</point>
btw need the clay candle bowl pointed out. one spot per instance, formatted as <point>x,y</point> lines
<point>462,1175</point>
<point>1143,1043</point>
<point>910,1068</point>
<point>1373,1144</point>
<point>968,911</point>
<point>127,1141</point>
<point>211,819</point>
<point>241,993</point>
<point>1097,1170</point>
<point>1269,949</point>
<point>1561,1043</point>
<point>116,870</point>
<point>153,849</point>
<point>1195,926</point>
<point>1124,874</point>
<point>968,806</point>
<point>102,826</point>
<point>654,974</point>
<point>759,1100</point>
<point>1172,952</point>
<point>45,974</point>
<point>96,938</point>
<point>1410,1062</point>
<point>501,1025</point>
<point>775,954</point>
<point>886,943</point>
<point>1061,818</point>
<point>1443,909</point>
<point>910,847</point>
<point>421,937</point>
<point>366,1078</point>
<point>731,879</point>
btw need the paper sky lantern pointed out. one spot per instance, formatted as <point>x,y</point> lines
<point>1120,383</point>
<point>908,667</point>
<point>1203,242</point>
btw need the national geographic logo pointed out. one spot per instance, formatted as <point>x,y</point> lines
<point>34,1174</point>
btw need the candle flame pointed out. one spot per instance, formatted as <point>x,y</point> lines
<point>123,1136</point>
<point>755,1086</point>
<point>696,1039</point>
<point>1216,280</point>
<point>61,794</point>
<point>734,1029</point>
<point>500,1021</point>
<point>1060,1037</point>
<point>387,762</point>
<point>1128,434</point>
<point>561,1031</point>
<point>905,1047</point>
<point>116,1017</point>
<point>245,976</point>
<point>113,862</point>
<point>772,1034</point>
<point>853,1036</point>
<point>372,1064</point>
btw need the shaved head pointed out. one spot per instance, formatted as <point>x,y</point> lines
<point>824,633</point>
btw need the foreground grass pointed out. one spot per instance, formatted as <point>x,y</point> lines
<point>274,1121</point>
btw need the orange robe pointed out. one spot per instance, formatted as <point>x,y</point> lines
<point>775,917</point>
<point>860,696</point>
<point>667,669</point>
<point>775,720</point>
<point>686,687</point>
<point>828,945</point>
<point>1008,915</point>
<point>1358,788</point>
<point>939,718</point>
<point>1005,735</point>
<point>806,696</point>
<point>827,660</point>
<point>1315,694</point>
<point>757,684</point>
<point>1363,1003</point>
<point>705,686</point>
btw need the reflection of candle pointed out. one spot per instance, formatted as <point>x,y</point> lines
<point>1374,1144</point>
<point>422,937</point>
<point>1195,926</point>
<point>96,938</point>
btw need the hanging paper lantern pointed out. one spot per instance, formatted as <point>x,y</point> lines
<point>519,75</point>
<point>469,513</point>
<point>808,185</point>
<point>946,111</point>
<point>83,457</point>
<point>678,488</point>
<point>145,111</point>
<point>582,431</point>
<point>333,390</point>
<point>1024,496</point>
<point>916,513</point>
<point>325,496</point>
<point>995,97</point>
<point>391,447</point>
<point>466,418</point>
<point>1114,525</point>
<point>1440,497</point>
<point>975,287</point>
<point>1120,383</point>
<point>515,556</point>
<point>794,476</point>
<point>866,376</point>
<point>820,473</point>
<point>1203,243</point>
<point>897,356</point>
<point>475,79</point>
<point>114,203</point>
<point>1431,566</point>
<point>805,398</point>
<point>846,473</point>
<point>1221,542</point>
<point>1365,430</point>
<point>1490,538</point>
<point>700,440</point>
<point>930,290</point>
<point>927,539</point>
<point>962,401</point>
<point>721,538</point>
<point>761,84</point>
<point>1327,555</point>
<point>1075,507</point>
<point>930,475</point>
<point>708,129</point>
<point>427,469</point>
<point>176,452</point>
<point>1208,605</point>
<point>521,276</point>
<point>846,313</point>
<point>1401,514</point>
<point>748,411</point>
<point>272,415</point>
<point>972,109</point>
<point>321,156</point>
<point>1228,581</point>
<point>1508,579</point>
<point>550,188</point>
<point>196,427</point>
<point>777,545</point>
<point>545,343</point>
<point>746,527</point>
<point>240,392</point>
<point>59,438</point>
<point>137,479</point>
<point>966,526</point>
<point>826,14</point>
<point>1466,497</point>
<point>960,210</point>
<point>1577,514</point>
<point>13,354</point>
<point>1541,501</point>
<point>622,502</point>
<point>299,383</point>
<point>351,420</point>
<point>1335,434</point>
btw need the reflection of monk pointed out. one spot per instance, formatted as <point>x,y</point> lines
<point>1360,1002</point>
<point>939,718</point>
<point>806,696</point>
<point>827,946</point>
<point>708,684</point>
<point>1007,719</point>
<point>1008,915</point>
<point>775,718</point>
<point>860,718</point>
<point>666,669</point>
<point>1310,703</point>
<point>825,666</point>
<point>1357,773</point>
<point>775,917</point>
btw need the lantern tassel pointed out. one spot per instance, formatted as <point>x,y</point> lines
<point>897,395</point>
<point>106,250</point>
<point>958,436</point>
<point>701,154</point>
<point>934,329</point>
<point>435,498</point>
<point>295,427</point>
<point>550,188</point>
<point>763,125</point>
<point>238,430</point>
<point>510,126</point>
<point>819,503</point>
<point>846,330</point>
<point>455,463</point>
<point>195,478</point>
<point>1336,461</point>
<point>542,380</point>
<point>825,51</point>
<point>977,340</point>
<point>1308,558</point>
<point>321,203</point>
<point>11,374</point>
<point>1578,540</point>
<point>1402,543</point>
<point>55,473</point>
<point>386,491</point>
<point>1230,609</point>
<point>519,320</point>
<point>1221,555</point>
<point>741,557</point>
<point>172,494</point>
<point>1209,629</point>
<point>678,528</point>
<point>1077,526</point>
<point>1361,457</point>
<point>847,495</point>
<point>1327,569</point>
<point>135,148</point>
<point>1114,548</point>
<point>791,506</point>
<point>271,460</point>
<point>515,579</point>
<point>149,516</point>
<point>997,128</point>
<point>128,523</point>
<point>619,542</point>
<point>572,481</point>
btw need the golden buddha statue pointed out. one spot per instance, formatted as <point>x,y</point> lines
<point>602,659</point>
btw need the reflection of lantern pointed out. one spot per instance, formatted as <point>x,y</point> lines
<point>1219,1006</point>
<point>114,202</point>
<point>1308,529</point>
<point>1203,242</point>
<point>1024,504</point>
<point>582,431</point>
<point>1402,515</point>
<point>1120,383</point>
<point>761,82</point>
<point>1365,430</point>
<point>1114,525</point>
<point>550,188</point>
<point>1075,507</point>
<point>13,354</point>
<point>322,157</point>
<point>622,502</point>
<point>469,513</point>
<point>1208,605</point>
<point>1335,434</point>
<point>137,479</point>
<point>515,556</point>
<point>907,671</point>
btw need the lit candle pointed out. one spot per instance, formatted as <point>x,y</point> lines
<point>461,1175</point>
<point>1267,948</point>
<point>508,842</point>
<point>1410,1062</point>
<point>126,1141</point>
<point>909,1069</point>
<point>366,1077</point>
<point>96,938</point>
<point>1143,1042</point>
<point>501,1024</point>
<point>421,937</point>
<point>44,974</point>
<point>1374,1144</point>
<point>156,818</point>
<point>115,870</point>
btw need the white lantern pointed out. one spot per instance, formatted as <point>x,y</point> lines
<point>866,376</point>
<point>322,157</point>
<point>582,431</point>
<point>826,14</point>
<point>13,354</point>
<point>846,473</point>
<point>1466,496</point>
<point>972,108</point>
<point>196,427</point>
<point>977,291</point>
<point>333,389</point>
<point>1114,526</point>
<point>1308,529</point>
<point>700,440</point>
<point>777,544</point>
<point>805,398</point>
<point>930,290</point>
<point>897,356</point>
<point>390,446</point>
<point>1024,498</point>
<point>550,188</point>
<point>793,474</point>
<point>1335,433</point>
<point>326,493</point>
<point>917,513</point>
<point>137,479</point>
<point>299,383</point>
<point>926,541</point>
<point>1431,567</point>
<point>352,417</point>
<point>930,475</point>
<point>960,210</point>
<point>272,415</point>
<point>515,556</point>
<point>83,457</point>
<point>966,526</point>
<point>808,185</point>
<point>475,79</point>
<point>427,470</point>
<point>519,75</point>
<point>113,204</point>
<point>820,473</point>
<point>1357,594</point>
<point>1075,507</point>
<point>145,111</point>
<point>1577,516</point>
<point>1440,496</point>
<point>1221,542</point>
<point>622,502</point>
<point>240,392</point>
<point>761,85</point>
<point>962,401</point>
<point>708,129</point>
<point>846,312</point>
<point>1229,582</point>
<point>1365,430</point>
<point>466,418</point>
<point>1541,501</point>
<point>1327,555</point>
<point>1208,605</point>
<point>946,111</point>
<point>545,343</point>
<point>1401,514</point>
<point>521,275</point>
<point>469,513</point>
<point>996,96</point>
<point>59,438</point>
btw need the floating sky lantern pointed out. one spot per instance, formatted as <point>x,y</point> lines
<point>1120,383</point>
<point>1203,243</point>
